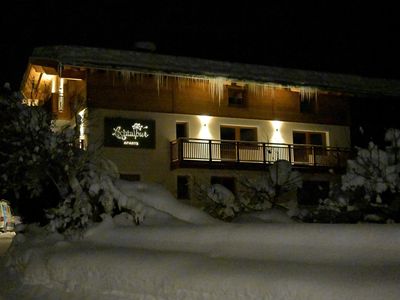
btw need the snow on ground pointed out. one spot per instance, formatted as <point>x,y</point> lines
<point>181,260</point>
<point>5,241</point>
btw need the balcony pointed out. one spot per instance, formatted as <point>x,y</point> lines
<point>221,154</point>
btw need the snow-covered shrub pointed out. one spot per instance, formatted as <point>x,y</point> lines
<point>370,189</point>
<point>45,176</point>
<point>271,190</point>
<point>223,204</point>
<point>91,193</point>
<point>33,159</point>
<point>372,170</point>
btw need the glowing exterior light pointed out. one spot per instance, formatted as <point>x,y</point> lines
<point>204,120</point>
<point>61,96</point>
<point>53,85</point>
<point>204,132</point>
<point>52,79</point>
<point>82,124</point>
<point>276,136</point>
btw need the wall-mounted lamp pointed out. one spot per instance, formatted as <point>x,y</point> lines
<point>204,132</point>
<point>277,137</point>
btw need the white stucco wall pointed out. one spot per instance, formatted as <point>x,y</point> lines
<point>154,164</point>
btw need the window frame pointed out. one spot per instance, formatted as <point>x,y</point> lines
<point>234,101</point>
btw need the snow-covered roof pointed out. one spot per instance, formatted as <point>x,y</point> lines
<point>187,66</point>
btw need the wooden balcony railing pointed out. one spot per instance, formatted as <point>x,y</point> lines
<point>189,152</point>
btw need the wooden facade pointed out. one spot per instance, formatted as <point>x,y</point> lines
<point>141,92</point>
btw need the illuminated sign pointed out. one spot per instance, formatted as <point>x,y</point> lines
<point>130,133</point>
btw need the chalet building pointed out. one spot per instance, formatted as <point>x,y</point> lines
<point>181,121</point>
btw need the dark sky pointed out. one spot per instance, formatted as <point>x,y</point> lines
<point>355,38</point>
<point>352,38</point>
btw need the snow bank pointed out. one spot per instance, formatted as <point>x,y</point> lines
<point>271,215</point>
<point>363,244</point>
<point>160,203</point>
<point>85,271</point>
<point>268,261</point>
<point>189,255</point>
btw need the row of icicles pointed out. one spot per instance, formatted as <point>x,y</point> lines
<point>214,85</point>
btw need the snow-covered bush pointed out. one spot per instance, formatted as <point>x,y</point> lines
<point>91,193</point>
<point>268,191</point>
<point>221,203</point>
<point>272,189</point>
<point>370,189</point>
<point>33,159</point>
<point>45,176</point>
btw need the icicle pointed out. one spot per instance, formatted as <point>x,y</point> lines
<point>161,81</point>
<point>216,88</point>
<point>308,93</point>
<point>260,89</point>
<point>126,76</point>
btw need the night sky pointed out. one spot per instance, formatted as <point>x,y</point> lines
<point>356,38</point>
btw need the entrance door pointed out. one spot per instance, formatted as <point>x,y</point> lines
<point>228,149</point>
<point>235,133</point>
<point>303,142</point>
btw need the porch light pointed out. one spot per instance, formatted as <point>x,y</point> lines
<point>276,135</point>
<point>205,120</point>
<point>204,132</point>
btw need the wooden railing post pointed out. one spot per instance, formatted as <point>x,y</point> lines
<point>237,151</point>
<point>264,154</point>
<point>209,151</point>
<point>180,149</point>
<point>313,154</point>
<point>290,153</point>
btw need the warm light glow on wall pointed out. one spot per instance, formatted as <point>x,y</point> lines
<point>276,135</point>
<point>61,96</point>
<point>204,132</point>
<point>52,79</point>
<point>54,85</point>
<point>82,125</point>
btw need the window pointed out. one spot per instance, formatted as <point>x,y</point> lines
<point>248,134</point>
<point>238,133</point>
<point>236,95</point>
<point>312,192</point>
<point>302,153</point>
<point>228,182</point>
<point>182,183</point>
<point>309,138</point>
<point>181,130</point>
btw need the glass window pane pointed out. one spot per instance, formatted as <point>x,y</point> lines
<point>248,134</point>
<point>228,133</point>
